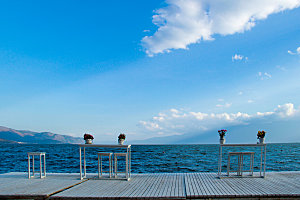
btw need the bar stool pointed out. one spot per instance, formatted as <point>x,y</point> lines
<point>40,154</point>
<point>116,164</point>
<point>100,154</point>
<point>240,162</point>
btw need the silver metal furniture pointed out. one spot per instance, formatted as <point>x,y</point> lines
<point>125,147</point>
<point>116,155</point>
<point>100,171</point>
<point>40,154</point>
<point>240,169</point>
<point>263,150</point>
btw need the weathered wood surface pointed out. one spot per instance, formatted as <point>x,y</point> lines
<point>160,185</point>
<point>152,186</point>
<point>276,184</point>
<point>14,185</point>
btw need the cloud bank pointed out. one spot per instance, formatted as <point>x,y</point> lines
<point>178,122</point>
<point>185,22</point>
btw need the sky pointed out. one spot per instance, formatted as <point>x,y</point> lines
<point>150,68</point>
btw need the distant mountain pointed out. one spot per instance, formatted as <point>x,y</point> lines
<point>285,131</point>
<point>8,135</point>
<point>9,141</point>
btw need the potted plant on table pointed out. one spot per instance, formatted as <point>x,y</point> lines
<point>121,138</point>
<point>261,136</point>
<point>88,138</point>
<point>222,133</point>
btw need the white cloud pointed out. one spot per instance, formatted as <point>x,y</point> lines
<point>226,105</point>
<point>190,122</point>
<point>296,52</point>
<point>267,75</point>
<point>185,22</point>
<point>264,76</point>
<point>238,57</point>
<point>250,101</point>
<point>281,68</point>
<point>240,93</point>
<point>285,110</point>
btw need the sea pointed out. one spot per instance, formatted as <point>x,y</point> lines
<point>64,158</point>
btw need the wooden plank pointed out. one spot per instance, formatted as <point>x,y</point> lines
<point>211,178</point>
<point>190,184</point>
<point>141,186</point>
<point>18,184</point>
<point>151,182</point>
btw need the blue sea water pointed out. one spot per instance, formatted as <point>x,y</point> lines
<point>64,158</point>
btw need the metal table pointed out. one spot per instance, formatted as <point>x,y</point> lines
<point>262,157</point>
<point>128,151</point>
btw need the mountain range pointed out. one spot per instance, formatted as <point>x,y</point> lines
<point>9,135</point>
<point>279,131</point>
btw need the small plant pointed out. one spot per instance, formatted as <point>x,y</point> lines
<point>261,134</point>
<point>222,133</point>
<point>122,136</point>
<point>88,136</point>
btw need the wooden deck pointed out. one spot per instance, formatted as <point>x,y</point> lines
<point>276,185</point>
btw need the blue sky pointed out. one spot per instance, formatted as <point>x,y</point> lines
<point>148,68</point>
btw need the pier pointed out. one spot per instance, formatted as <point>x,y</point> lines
<point>276,185</point>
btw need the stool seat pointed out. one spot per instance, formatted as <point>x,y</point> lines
<point>40,154</point>
<point>243,153</point>
<point>36,153</point>
<point>105,154</point>
<point>120,154</point>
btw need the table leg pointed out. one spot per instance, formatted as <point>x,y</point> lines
<point>101,164</point>
<point>33,165</point>
<point>228,165</point>
<point>80,166</point>
<point>98,166</point>
<point>84,163</point>
<point>265,161</point>
<point>261,156</point>
<point>127,163</point>
<point>116,166</point>
<point>127,167</point>
<point>45,165</point>
<point>238,170</point>
<point>109,159</point>
<point>220,161</point>
<point>130,162</point>
<point>242,163</point>
<point>28,166</point>
<point>252,163</point>
<point>40,166</point>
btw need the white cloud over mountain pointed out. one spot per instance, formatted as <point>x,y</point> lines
<point>185,22</point>
<point>178,122</point>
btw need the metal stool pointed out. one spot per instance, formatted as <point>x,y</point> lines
<point>240,162</point>
<point>116,164</point>
<point>100,154</point>
<point>36,154</point>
